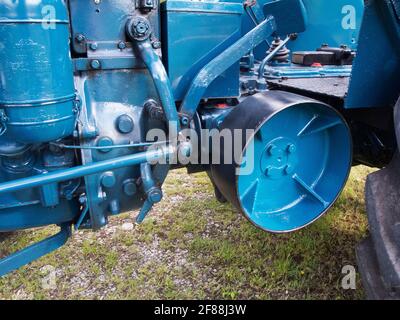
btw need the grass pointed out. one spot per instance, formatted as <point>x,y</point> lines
<point>193,247</point>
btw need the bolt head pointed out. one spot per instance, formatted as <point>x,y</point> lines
<point>289,169</point>
<point>156,45</point>
<point>108,180</point>
<point>291,148</point>
<point>185,121</point>
<point>268,171</point>
<point>82,199</point>
<point>93,46</point>
<point>95,64</point>
<point>129,187</point>
<point>138,28</point>
<point>80,38</point>
<point>121,45</point>
<point>105,142</point>
<point>141,27</point>
<point>155,195</point>
<point>273,150</point>
<point>125,124</point>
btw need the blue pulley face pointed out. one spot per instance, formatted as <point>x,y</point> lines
<point>293,167</point>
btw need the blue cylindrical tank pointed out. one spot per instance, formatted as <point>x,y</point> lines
<point>36,76</point>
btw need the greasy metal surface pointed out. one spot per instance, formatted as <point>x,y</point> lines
<point>102,109</point>
<point>335,87</point>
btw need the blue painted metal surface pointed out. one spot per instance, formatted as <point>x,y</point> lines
<point>296,71</point>
<point>85,170</point>
<point>36,84</point>
<point>376,71</point>
<point>328,22</point>
<point>269,57</point>
<point>55,170</point>
<point>194,33</point>
<point>152,60</point>
<point>152,190</point>
<point>290,16</point>
<point>103,24</point>
<point>222,62</point>
<point>100,116</point>
<point>35,251</point>
<point>332,22</point>
<point>302,157</point>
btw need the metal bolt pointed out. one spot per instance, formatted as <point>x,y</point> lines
<point>141,27</point>
<point>82,199</point>
<point>95,64</point>
<point>93,46</point>
<point>155,195</point>
<point>288,169</point>
<point>291,148</point>
<point>108,179</point>
<point>105,142</point>
<point>156,45</point>
<point>272,150</point>
<point>185,121</point>
<point>122,45</point>
<point>138,28</point>
<point>129,187</point>
<point>268,170</point>
<point>80,38</point>
<point>125,124</point>
<point>97,1</point>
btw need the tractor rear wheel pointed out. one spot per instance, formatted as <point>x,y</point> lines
<point>378,255</point>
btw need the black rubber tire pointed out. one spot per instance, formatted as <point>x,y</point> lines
<point>397,122</point>
<point>378,256</point>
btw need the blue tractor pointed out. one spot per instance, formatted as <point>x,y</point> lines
<point>274,99</point>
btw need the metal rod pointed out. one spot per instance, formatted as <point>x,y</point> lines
<point>118,146</point>
<point>222,62</point>
<point>270,56</point>
<point>35,251</point>
<point>88,169</point>
<point>161,81</point>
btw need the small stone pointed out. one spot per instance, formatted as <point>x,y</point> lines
<point>127,226</point>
